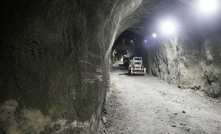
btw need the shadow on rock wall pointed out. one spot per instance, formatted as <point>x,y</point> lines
<point>54,63</point>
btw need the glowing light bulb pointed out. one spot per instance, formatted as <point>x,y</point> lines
<point>208,6</point>
<point>168,27</point>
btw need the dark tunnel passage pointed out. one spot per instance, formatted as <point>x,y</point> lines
<point>56,56</point>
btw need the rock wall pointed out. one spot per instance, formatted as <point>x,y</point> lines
<point>188,61</point>
<point>54,63</point>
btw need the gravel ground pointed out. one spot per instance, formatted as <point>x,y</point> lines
<point>147,105</point>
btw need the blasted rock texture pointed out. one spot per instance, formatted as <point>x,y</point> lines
<point>54,63</point>
<point>188,62</point>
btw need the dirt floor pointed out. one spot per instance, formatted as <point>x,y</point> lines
<point>147,105</point>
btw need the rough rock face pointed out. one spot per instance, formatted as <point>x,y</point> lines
<point>54,63</point>
<point>188,62</point>
<point>54,59</point>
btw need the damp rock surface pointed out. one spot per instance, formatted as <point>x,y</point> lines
<point>54,59</point>
<point>187,63</point>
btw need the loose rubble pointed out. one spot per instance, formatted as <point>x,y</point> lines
<point>146,105</point>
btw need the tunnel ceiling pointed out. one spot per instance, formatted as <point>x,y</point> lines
<point>145,20</point>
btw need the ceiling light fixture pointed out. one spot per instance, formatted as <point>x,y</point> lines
<point>208,6</point>
<point>168,27</point>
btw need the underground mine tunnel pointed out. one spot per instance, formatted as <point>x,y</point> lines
<point>55,56</point>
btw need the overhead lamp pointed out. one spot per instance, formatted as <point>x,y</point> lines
<point>154,35</point>
<point>208,6</point>
<point>168,26</point>
<point>145,40</point>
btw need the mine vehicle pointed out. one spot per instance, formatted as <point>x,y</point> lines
<point>136,66</point>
